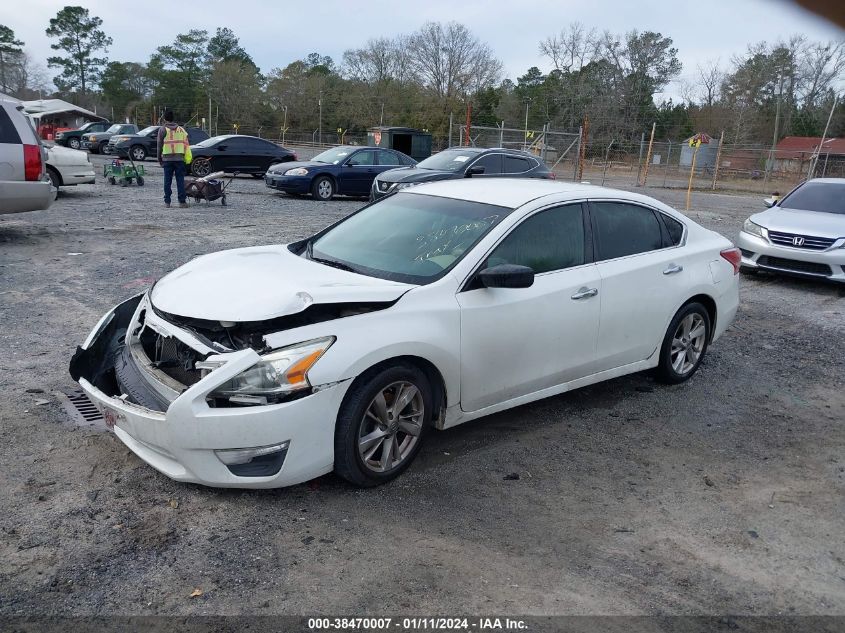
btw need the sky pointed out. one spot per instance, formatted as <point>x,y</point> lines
<point>276,33</point>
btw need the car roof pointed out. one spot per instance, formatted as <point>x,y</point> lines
<point>829,181</point>
<point>515,192</point>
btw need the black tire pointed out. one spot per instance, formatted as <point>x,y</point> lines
<point>140,180</point>
<point>201,167</point>
<point>112,180</point>
<point>103,148</point>
<point>322,188</point>
<point>74,143</point>
<point>138,152</point>
<point>670,373</point>
<point>353,418</point>
<point>223,201</point>
<point>55,181</point>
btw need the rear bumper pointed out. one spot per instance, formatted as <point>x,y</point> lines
<point>760,254</point>
<point>288,184</point>
<point>181,442</point>
<point>20,196</point>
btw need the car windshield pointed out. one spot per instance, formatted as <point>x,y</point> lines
<point>827,197</point>
<point>332,156</point>
<point>407,237</point>
<point>114,129</point>
<point>447,160</point>
<point>148,130</point>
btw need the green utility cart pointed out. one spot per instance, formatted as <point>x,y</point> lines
<point>118,171</point>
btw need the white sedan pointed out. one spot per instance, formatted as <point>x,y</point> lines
<point>268,366</point>
<point>802,235</point>
<point>67,167</point>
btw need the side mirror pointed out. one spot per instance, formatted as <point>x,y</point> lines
<point>507,276</point>
<point>769,202</point>
<point>475,170</point>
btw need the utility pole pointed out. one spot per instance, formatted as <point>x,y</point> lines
<point>285,124</point>
<point>320,125</point>
<point>209,115</point>
<point>469,123</point>
<point>775,133</point>
<point>815,159</point>
<point>525,139</point>
<point>381,118</point>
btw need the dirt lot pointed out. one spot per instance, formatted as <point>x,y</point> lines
<point>722,495</point>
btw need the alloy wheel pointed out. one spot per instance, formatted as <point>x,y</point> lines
<point>688,343</point>
<point>138,153</point>
<point>391,426</point>
<point>324,188</point>
<point>201,167</point>
<point>73,143</point>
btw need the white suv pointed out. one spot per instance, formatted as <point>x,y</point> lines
<point>23,182</point>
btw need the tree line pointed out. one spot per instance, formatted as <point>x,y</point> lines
<point>418,79</point>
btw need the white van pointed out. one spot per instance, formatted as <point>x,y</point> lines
<point>23,182</point>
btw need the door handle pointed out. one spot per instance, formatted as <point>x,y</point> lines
<point>673,268</point>
<point>585,293</point>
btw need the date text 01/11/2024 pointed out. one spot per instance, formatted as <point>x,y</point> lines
<point>417,624</point>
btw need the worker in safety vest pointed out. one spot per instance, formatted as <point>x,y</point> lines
<point>174,154</point>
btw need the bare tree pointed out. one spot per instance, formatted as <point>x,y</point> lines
<point>710,77</point>
<point>451,61</point>
<point>572,49</point>
<point>380,60</point>
<point>821,66</point>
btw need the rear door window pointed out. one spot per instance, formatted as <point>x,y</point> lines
<point>8,133</point>
<point>516,165</point>
<point>621,229</point>
<point>389,158</point>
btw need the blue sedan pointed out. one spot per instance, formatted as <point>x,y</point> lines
<point>344,170</point>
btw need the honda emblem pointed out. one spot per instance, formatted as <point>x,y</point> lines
<point>798,241</point>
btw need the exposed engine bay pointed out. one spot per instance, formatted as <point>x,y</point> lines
<point>148,357</point>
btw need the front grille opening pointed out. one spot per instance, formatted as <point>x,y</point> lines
<point>171,356</point>
<point>81,411</point>
<point>795,265</point>
<point>794,240</point>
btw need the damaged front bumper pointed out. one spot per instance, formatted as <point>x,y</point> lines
<point>173,427</point>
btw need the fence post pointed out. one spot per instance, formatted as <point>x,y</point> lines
<point>648,154</point>
<point>718,160</point>
<point>582,147</point>
<point>545,142</point>
<point>640,158</point>
<point>691,174</point>
<point>668,158</point>
<point>451,115</point>
<point>502,135</point>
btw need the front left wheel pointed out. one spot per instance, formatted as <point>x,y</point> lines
<point>685,344</point>
<point>381,424</point>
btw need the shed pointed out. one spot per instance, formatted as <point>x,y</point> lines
<point>412,142</point>
<point>706,154</point>
<point>55,115</point>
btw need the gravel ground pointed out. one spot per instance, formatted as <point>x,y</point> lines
<point>722,495</point>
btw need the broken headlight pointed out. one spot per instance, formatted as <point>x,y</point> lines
<point>278,374</point>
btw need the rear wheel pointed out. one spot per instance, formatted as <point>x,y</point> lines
<point>139,153</point>
<point>73,143</point>
<point>323,188</point>
<point>381,424</point>
<point>140,181</point>
<point>55,181</point>
<point>685,344</point>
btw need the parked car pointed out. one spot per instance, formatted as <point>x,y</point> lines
<point>67,167</point>
<point>346,170</point>
<point>145,142</point>
<point>23,183</point>
<point>267,366</point>
<point>237,154</point>
<point>98,142</point>
<point>462,162</point>
<point>73,138</point>
<point>802,234</point>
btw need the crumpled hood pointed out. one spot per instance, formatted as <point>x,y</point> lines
<point>414,174</point>
<point>815,223</point>
<point>262,282</point>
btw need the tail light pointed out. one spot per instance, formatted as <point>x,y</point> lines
<point>734,257</point>
<point>32,165</point>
